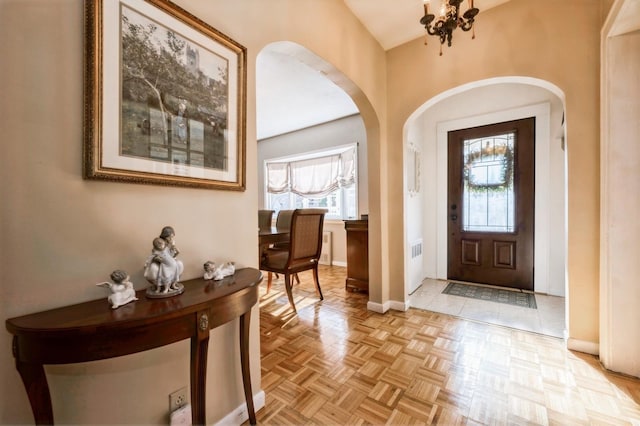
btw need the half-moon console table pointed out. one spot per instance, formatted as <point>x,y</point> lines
<point>92,331</point>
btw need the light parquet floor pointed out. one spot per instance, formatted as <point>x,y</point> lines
<point>336,363</point>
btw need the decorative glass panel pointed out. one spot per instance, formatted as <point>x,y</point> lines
<point>488,195</point>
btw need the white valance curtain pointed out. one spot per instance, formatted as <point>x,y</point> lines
<point>314,177</point>
<point>278,177</point>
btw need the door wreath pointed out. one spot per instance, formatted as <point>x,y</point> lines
<point>501,153</point>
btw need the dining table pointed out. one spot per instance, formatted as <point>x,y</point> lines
<point>272,235</point>
<point>269,236</point>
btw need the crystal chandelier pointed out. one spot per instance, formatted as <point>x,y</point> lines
<point>449,20</point>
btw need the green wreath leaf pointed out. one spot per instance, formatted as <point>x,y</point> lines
<point>506,180</point>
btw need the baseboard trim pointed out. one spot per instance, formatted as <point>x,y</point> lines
<point>583,346</point>
<point>381,308</point>
<point>399,306</point>
<point>240,414</point>
<point>338,263</point>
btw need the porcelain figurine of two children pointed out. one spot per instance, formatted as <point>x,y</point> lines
<point>162,269</point>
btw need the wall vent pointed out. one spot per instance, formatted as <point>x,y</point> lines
<point>325,255</point>
<point>416,249</point>
<point>414,273</point>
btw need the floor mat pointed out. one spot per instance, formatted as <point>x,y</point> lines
<point>510,297</point>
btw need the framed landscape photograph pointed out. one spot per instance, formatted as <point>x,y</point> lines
<point>165,99</point>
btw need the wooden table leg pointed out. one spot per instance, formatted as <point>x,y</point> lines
<point>35,382</point>
<point>245,320</point>
<point>199,349</point>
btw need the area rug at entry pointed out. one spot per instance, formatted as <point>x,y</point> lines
<point>516,298</point>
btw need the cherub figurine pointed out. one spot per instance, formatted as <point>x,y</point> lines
<point>213,272</point>
<point>209,270</point>
<point>122,291</point>
<point>162,269</point>
<point>225,270</point>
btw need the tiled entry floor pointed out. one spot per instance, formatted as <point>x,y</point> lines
<point>548,319</point>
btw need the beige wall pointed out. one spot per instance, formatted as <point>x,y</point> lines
<point>61,234</point>
<point>518,38</point>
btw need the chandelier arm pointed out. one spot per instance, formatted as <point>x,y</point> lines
<point>432,31</point>
<point>466,22</point>
<point>466,26</point>
<point>470,14</point>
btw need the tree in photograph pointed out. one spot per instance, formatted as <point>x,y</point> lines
<point>153,67</point>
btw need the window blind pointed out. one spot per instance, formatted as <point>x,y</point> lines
<point>313,177</point>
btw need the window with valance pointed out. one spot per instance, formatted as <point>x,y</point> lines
<point>315,180</point>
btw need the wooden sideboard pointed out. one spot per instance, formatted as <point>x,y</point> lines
<point>92,330</point>
<point>357,255</point>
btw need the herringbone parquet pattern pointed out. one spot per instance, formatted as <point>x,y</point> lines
<point>336,363</point>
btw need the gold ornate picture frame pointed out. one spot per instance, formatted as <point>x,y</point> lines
<point>165,97</point>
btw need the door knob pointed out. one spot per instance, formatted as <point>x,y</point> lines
<point>454,217</point>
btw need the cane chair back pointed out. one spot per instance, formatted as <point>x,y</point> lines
<point>264,219</point>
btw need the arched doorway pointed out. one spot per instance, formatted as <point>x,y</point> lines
<point>369,160</point>
<point>475,104</point>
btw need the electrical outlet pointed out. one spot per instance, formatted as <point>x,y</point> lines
<point>177,399</point>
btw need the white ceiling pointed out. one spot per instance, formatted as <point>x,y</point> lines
<point>291,95</point>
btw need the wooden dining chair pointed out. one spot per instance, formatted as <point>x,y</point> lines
<point>264,219</point>
<point>283,222</point>
<point>305,245</point>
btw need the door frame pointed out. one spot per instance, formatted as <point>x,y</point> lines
<point>517,272</point>
<point>542,233</point>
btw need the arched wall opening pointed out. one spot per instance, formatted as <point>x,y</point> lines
<point>368,150</point>
<point>475,104</point>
